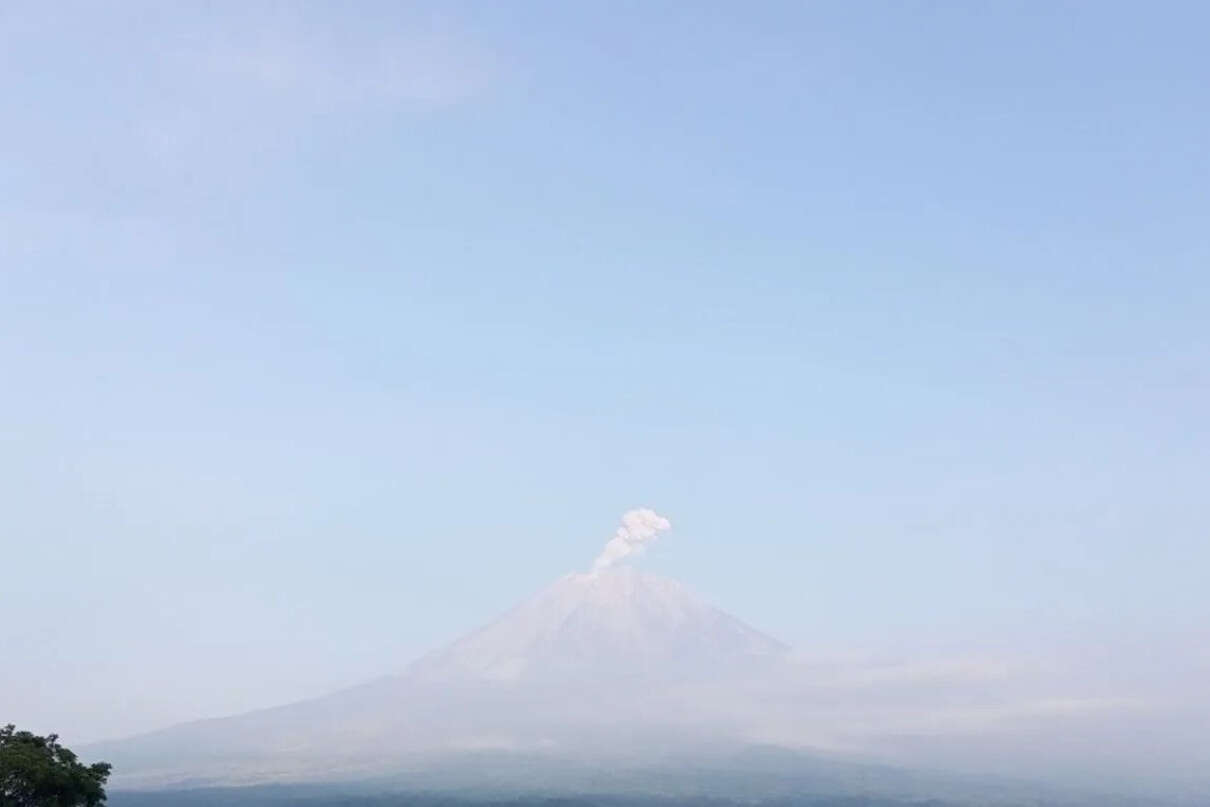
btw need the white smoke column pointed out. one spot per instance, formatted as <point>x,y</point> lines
<point>639,528</point>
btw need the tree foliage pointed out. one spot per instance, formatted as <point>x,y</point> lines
<point>38,772</point>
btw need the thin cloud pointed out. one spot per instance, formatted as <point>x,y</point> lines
<point>177,98</point>
<point>301,66</point>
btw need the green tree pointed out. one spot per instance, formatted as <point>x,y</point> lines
<point>38,772</point>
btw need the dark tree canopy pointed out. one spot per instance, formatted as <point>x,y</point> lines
<point>38,772</point>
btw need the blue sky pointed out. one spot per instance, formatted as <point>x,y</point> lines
<point>327,335</point>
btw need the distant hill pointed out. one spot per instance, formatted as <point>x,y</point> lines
<point>318,796</point>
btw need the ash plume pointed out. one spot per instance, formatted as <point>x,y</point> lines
<point>639,528</point>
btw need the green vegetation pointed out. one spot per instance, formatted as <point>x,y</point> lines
<point>38,772</point>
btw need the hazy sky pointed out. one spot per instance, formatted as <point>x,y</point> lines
<point>327,332</point>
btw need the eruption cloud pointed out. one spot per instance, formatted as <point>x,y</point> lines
<point>639,528</point>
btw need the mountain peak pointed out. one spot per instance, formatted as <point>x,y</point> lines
<point>612,621</point>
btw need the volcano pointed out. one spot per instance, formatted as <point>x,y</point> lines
<point>608,664</point>
<point>609,682</point>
